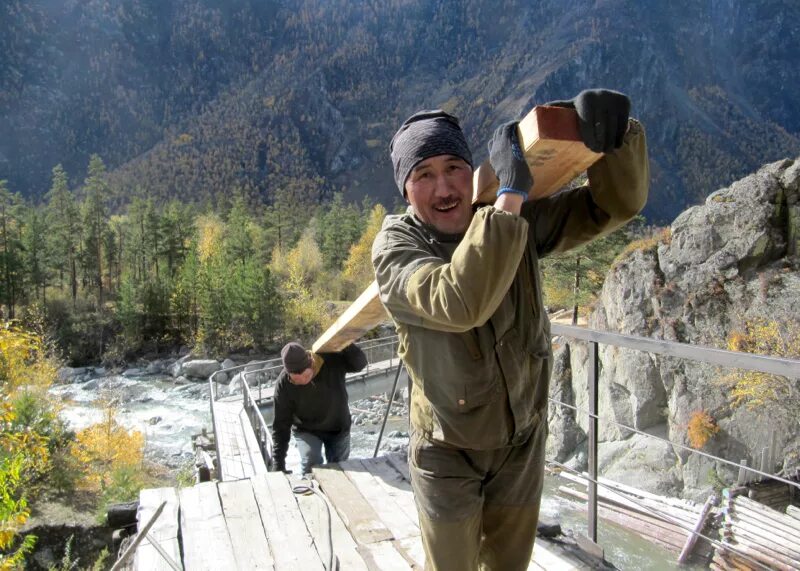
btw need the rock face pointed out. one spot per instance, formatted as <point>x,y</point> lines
<point>724,268</point>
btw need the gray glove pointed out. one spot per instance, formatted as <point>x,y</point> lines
<point>602,117</point>
<point>507,160</point>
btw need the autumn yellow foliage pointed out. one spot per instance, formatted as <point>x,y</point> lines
<point>104,448</point>
<point>765,337</point>
<point>701,428</point>
<point>24,454</point>
<point>358,266</point>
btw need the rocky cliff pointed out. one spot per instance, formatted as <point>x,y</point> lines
<point>726,274</point>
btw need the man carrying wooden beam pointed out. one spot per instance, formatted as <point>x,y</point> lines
<point>311,397</point>
<point>463,289</point>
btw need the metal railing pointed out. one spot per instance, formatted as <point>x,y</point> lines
<point>257,423</point>
<point>773,365</point>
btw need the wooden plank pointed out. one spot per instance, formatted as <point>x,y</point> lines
<point>382,556</point>
<point>698,528</point>
<point>316,518</point>
<point>553,149</point>
<point>206,543</point>
<point>243,519</point>
<point>289,539</point>
<point>358,515</point>
<point>394,484</point>
<point>364,314</point>
<point>385,506</point>
<point>164,530</point>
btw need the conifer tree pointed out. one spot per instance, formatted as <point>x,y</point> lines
<point>95,225</point>
<point>64,230</point>
<point>340,226</point>
<point>10,250</point>
<point>35,255</point>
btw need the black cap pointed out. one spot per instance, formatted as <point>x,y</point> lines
<point>295,358</point>
<point>423,135</point>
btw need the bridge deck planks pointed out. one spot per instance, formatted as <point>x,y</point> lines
<point>206,540</point>
<point>241,510</point>
<point>239,455</point>
<point>164,530</point>
<point>259,523</point>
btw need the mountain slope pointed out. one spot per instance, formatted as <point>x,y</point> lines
<point>196,97</point>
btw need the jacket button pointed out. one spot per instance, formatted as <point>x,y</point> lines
<point>462,402</point>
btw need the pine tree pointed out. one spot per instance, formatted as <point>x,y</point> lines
<point>64,230</point>
<point>95,225</point>
<point>10,250</point>
<point>35,251</point>
<point>340,226</point>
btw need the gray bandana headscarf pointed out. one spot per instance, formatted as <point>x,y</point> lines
<point>423,135</point>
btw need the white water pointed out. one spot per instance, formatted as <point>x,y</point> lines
<point>140,401</point>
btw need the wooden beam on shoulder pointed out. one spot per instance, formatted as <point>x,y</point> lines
<point>555,153</point>
<point>553,149</point>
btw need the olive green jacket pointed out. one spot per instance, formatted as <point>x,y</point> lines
<point>468,308</point>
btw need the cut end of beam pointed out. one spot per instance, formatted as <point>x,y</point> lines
<point>553,149</point>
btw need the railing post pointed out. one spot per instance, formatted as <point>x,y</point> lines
<point>594,366</point>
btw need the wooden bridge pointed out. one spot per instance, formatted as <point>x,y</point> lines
<point>261,523</point>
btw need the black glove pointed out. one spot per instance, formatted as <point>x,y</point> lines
<point>602,117</point>
<point>507,160</point>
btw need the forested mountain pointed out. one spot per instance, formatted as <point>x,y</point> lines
<point>195,98</point>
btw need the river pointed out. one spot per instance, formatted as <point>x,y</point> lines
<point>169,414</point>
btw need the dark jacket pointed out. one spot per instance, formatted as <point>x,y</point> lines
<point>473,332</point>
<point>321,406</point>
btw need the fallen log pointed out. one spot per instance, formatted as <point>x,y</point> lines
<point>698,528</point>
<point>555,153</point>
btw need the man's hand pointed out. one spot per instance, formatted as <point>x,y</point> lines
<point>507,160</point>
<point>602,117</point>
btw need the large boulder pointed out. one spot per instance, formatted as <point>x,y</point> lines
<point>725,266</point>
<point>200,368</point>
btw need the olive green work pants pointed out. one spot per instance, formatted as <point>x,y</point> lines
<point>478,510</point>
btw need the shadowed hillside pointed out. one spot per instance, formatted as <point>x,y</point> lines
<point>193,98</point>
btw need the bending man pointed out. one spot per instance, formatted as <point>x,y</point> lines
<point>464,291</point>
<point>310,395</point>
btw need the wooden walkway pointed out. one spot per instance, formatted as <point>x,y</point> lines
<point>239,455</point>
<point>259,523</point>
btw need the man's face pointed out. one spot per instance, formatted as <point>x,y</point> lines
<point>302,378</point>
<point>440,190</point>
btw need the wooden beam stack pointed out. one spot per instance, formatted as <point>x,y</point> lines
<point>757,535</point>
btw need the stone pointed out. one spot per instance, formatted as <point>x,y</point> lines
<point>153,420</point>
<point>228,363</point>
<point>66,374</point>
<point>176,369</point>
<point>133,373</point>
<point>155,368</point>
<point>200,368</point>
